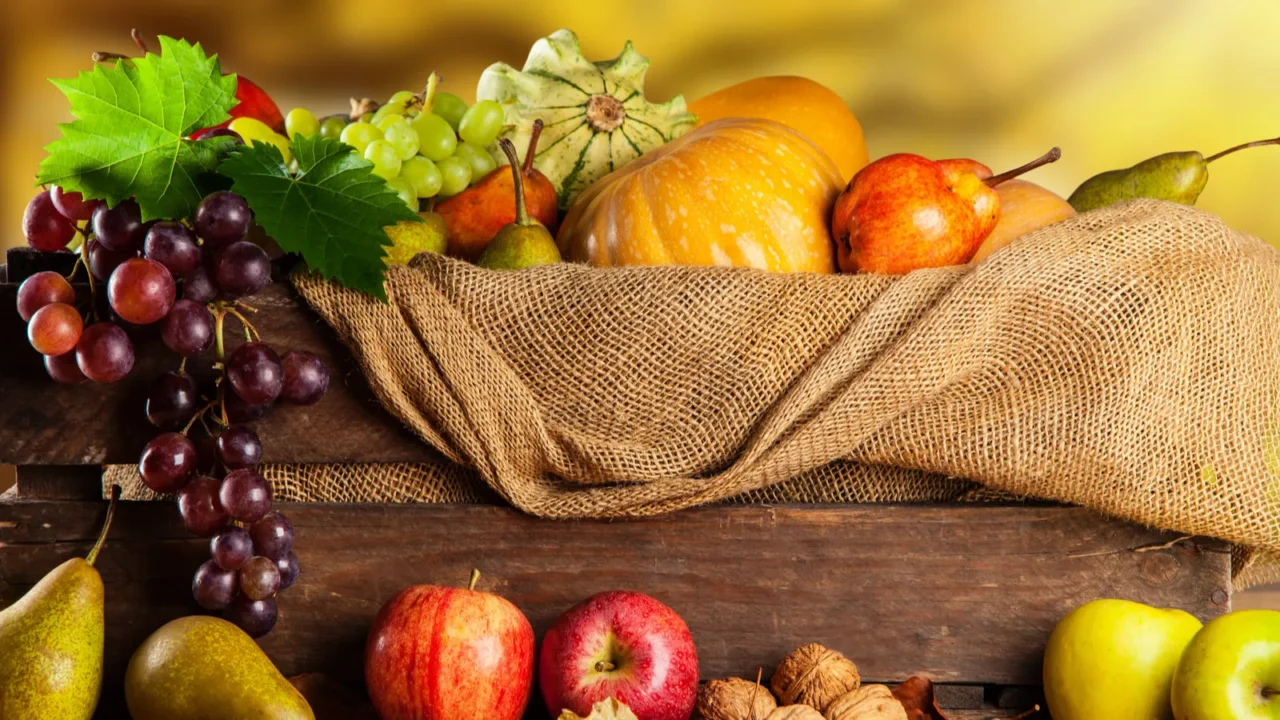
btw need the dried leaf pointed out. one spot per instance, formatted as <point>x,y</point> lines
<point>916,695</point>
<point>609,709</point>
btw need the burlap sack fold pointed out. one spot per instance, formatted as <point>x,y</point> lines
<point>1124,360</point>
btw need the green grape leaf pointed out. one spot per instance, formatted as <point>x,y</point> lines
<point>129,138</point>
<point>332,212</point>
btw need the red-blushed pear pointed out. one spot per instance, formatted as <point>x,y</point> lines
<point>904,212</point>
<point>446,653</point>
<point>623,645</point>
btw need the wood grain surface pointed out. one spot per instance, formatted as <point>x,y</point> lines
<point>962,594</point>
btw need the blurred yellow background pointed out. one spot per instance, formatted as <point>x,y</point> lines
<point>1000,81</point>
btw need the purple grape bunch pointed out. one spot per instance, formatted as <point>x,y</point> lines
<point>186,277</point>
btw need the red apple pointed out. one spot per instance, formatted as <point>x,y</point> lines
<point>443,653</point>
<point>254,103</point>
<point>625,645</point>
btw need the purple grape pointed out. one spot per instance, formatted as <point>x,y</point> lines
<point>259,578</point>
<point>239,411</point>
<point>103,260</point>
<point>206,453</point>
<point>198,286</point>
<point>239,447</point>
<point>104,353</point>
<point>213,587</point>
<point>119,228</point>
<point>173,245</point>
<point>72,205</point>
<point>188,329</point>
<point>43,288</point>
<point>168,462</point>
<point>289,570</point>
<point>45,228</point>
<point>255,374</point>
<point>171,400</point>
<point>305,377</point>
<point>231,548</point>
<point>255,617</point>
<point>241,269</point>
<point>202,511</point>
<point>272,536</point>
<point>222,218</point>
<point>246,495</point>
<point>64,369</point>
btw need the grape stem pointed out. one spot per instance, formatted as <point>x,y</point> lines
<point>218,316</point>
<point>429,95</point>
<point>93,290</point>
<point>248,326</point>
<point>199,416</point>
<point>182,365</point>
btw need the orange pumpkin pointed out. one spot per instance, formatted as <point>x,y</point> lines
<point>741,192</point>
<point>799,103</point>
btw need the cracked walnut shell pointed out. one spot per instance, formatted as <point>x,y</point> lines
<point>815,676</point>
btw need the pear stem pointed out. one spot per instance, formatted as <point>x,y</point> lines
<point>522,213</point>
<point>475,578</point>
<point>534,133</point>
<point>1246,146</point>
<point>106,525</point>
<point>1045,159</point>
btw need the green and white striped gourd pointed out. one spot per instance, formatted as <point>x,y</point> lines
<point>595,116</point>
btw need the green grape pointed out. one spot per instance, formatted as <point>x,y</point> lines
<point>405,191</point>
<point>384,112</point>
<point>455,175</point>
<point>402,100</point>
<point>422,175</point>
<point>385,159</point>
<point>403,138</point>
<point>367,117</point>
<point>436,138</point>
<point>359,134</point>
<point>332,126</point>
<point>300,121</point>
<point>482,163</point>
<point>390,120</point>
<point>482,123</point>
<point>450,107</point>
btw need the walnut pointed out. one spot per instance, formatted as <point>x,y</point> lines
<point>869,702</point>
<point>815,676</point>
<point>795,712</point>
<point>734,699</point>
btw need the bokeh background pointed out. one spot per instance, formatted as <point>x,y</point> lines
<point>996,80</point>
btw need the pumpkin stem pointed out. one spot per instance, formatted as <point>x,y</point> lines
<point>534,134</point>
<point>508,149</point>
<point>1045,159</point>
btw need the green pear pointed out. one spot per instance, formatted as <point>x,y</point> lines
<point>1177,177</point>
<point>51,641</point>
<point>1114,660</point>
<point>524,243</point>
<point>205,668</point>
<point>1231,669</point>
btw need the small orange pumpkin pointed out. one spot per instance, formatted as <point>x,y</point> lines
<point>743,192</point>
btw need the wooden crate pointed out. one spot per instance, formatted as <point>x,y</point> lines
<point>963,594</point>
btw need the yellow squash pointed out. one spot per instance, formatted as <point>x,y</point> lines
<point>736,192</point>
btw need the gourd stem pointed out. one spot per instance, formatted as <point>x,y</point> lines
<point>106,526</point>
<point>508,149</point>
<point>1049,157</point>
<point>534,134</point>
<point>1246,146</point>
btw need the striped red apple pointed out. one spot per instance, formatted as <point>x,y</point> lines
<point>447,653</point>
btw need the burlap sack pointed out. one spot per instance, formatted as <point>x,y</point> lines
<point>1124,360</point>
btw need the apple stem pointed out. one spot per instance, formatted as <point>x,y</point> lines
<point>1268,693</point>
<point>106,526</point>
<point>475,578</point>
<point>1045,159</point>
<point>1023,716</point>
<point>1246,146</point>
<point>605,666</point>
<point>534,133</point>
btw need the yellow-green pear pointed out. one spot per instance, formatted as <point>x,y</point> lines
<point>1114,660</point>
<point>205,668</point>
<point>51,642</point>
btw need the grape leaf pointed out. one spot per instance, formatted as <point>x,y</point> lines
<point>332,212</point>
<point>129,137</point>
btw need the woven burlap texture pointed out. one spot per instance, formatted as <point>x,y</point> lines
<point>1123,360</point>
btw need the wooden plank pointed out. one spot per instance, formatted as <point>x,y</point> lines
<point>962,594</point>
<point>60,482</point>
<point>109,421</point>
